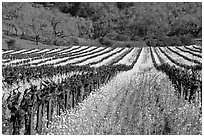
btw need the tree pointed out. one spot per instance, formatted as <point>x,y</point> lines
<point>12,14</point>
<point>54,23</point>
<point>185,18</point>
<point>123,5</point>
<point>85,28</point>
<point>35,22</point>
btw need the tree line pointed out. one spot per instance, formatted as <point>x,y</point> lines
<point>58,22</point>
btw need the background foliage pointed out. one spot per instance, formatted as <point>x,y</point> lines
<point>158,24</point>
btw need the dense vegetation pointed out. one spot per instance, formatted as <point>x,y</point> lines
<point>35,95</point>
<point>63,95</point>
<point>61,23</point>
<point>113,89</point>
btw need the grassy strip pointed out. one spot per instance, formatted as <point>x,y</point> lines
<point>21,56</point>
<point>8,53</point>
<point>197,50</point>
<point>200,49</point>
<point>189,52</point>
<point>80,61</point>
<point>136,58</point>
<point>55,56</point>
<point>27,51</point>
<point>120,57</point>
<point>82,55</point>
<point>78,53</point>
<point>70,51</point>
<point>153,58</point>
<point>186,58</point>
<point>146,56</point>
<point>25,62</point>
<point>180,64</point>
<point>106,57</point>
<point>79,50</point>
<point>43,54</point>
<point>161,60</point>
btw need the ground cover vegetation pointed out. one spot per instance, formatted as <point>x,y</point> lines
<point>62,92</point>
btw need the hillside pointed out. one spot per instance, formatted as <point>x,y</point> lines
<point>63,24</point>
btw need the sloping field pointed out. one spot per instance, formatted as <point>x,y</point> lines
<point>87,55</point>
<point>102,90</point>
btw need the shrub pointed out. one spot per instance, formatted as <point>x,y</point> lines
<point>159,43</point>
<point>112,35</point>
<point>85,28</point>
<point>11,43</point>
<point>135,38</point>
<point>105,41</point>
<point>168,41</point>
<point>122,37</point>
<point>186,40</point>
<point>175,41</point>
<point>151,42</point>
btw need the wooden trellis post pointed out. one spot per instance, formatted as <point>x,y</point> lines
<point>67,98</point>
<point>75,97</point>
<point>82,93</point>
<point>72,99</point>
<point>39,118</point>
<point>49,107</point>
<point>99,83</point>
<point>91,87</point>
<point>56,102</point>
<point>31,121</point>
<point>26,124</point>
<point>107,77</point>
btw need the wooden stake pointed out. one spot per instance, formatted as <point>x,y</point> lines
<point>31,121</point>
<point>75,98</point>
<point>67,98</point>
<point>39,119</point>
<point>72,99</point>
<point>82,93</point>
<point>49,111</point>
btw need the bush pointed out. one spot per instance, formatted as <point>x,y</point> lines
<point>151,42</point>
<point>105,41</point>
<point>112,35</point>
<point>11,43</point>
<point>122,37</point>
<point>136,38</point>
<point>186,40</point>
<point>175,41</point>
<point>85,28</point>
<point>168,41</point>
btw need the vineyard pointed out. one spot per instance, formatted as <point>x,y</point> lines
<point>39,84</point>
